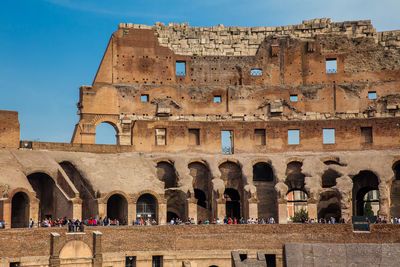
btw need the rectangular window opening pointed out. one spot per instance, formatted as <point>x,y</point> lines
<point>227,142</point>
<point>157,261</point>
<point>331,65</point>
<point>293,98</point>
<point>259,135</point>
<point>15,264</point>
<point>243,257</point>
<point>293,137</point>
<point>217,99</point>
<point>180,68</point>
<point>270,260</point>
<point>372,95</point>
<point>194,137</point>
<point>130,261</point>
<point>328,136</point>
<point>256,72</point>
<point>161,139</point>
<point>144,98</point>
<point>366,135</point>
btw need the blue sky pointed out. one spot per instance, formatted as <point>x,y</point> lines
<point>48,48</point>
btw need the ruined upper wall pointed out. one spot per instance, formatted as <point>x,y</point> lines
<point>244,41</point>
<point>9,129</point>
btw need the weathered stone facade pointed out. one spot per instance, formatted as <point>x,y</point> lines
<point>215,122</point>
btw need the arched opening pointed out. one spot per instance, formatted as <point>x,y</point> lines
<point>395,191</point>
<point>86,191</point>
<point>176,201</point>
<point>263,180</point>
<point>147,207</point>
<point>52,202</point>
<point>106,134</point>
<point>19,210</point>
<point>167,174</point>
<point>263,172</point>
<point>231,174</point>
<point>329,205</point>
<point>363,183</point>
<point>117,208</point>
<point>294,176</point>
<point>202,189</point>
<point>296,202</point>
<point>329,178</point>
<point>232,198</point>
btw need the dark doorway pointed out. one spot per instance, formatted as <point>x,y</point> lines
<point>19,210</point>
<point>232,198</point>
<point>146,207</point>
<point>52,202</point>
<point>117,208</point>
<point>365,190</point>
<point>167,174</point>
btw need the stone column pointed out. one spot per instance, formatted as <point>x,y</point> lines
<point>221,208</point>
<point>282,211</point>
<point>34,210</point>
<point>102,207</point>
<point>55,246</point>
<point>97,249</point>
<point>77,209</point>
<point>131,212</point>
<point>253,208</point>
<point>162,213</point>
<point>191,208</point>
<point>312,208</point>
<point>7,212</point>
<point>384,195</point>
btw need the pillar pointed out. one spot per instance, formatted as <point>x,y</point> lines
<point>124,139</point>
<point>312,208</point>
<point>253,208</point>
<point>384,195</point>
<point>131,212</point>
<point>282,211</point>
<point>191,209</point>
<point>77,209</point>
<point>221,209</point>
<point>97,249</point>
<point>102,208</point>
<point>162,213</point>
<point>7,212</point>
<point>34,210</point>
<point>55,246</point>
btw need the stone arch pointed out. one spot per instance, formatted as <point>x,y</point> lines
<point>52,201</point>
<point>76,250</point>
<point>100,139</point>
<point>329,205</point>
<point>117,208</point>
<point>395,190</point>
<point>294,176</point>
<point>364,182</point>
<point>160,199</point>
<point>231,174</point>
<point>296,201</point>
<point>264,181</point>
<point>202,187</point>
<point>85,189</point>
<point>328,178</point>
<point>176,204</point>
<point>20,204</point>
<point>166,173</point>
<point>147,207</point>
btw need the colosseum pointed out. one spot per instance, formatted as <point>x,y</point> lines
<point>212,123</point>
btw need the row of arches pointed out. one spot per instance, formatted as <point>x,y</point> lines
<point>53,203</point>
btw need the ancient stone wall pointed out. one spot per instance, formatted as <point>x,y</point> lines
<point>9,129</point>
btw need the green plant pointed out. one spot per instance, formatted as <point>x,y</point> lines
<point>368,208</point>
<point>299,215</point>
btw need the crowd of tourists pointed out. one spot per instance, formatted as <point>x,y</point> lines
<point>77,225</point>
